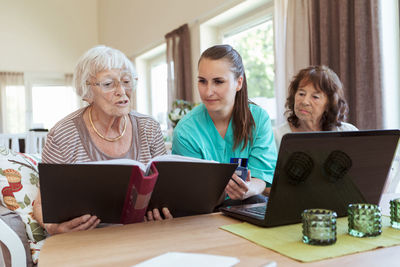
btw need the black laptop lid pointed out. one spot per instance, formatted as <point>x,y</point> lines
<point>329,170</point>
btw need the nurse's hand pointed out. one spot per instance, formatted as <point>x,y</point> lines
<point>237,188</point>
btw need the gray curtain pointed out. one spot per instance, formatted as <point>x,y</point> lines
<point>345,37</point>
<point>179,65</point>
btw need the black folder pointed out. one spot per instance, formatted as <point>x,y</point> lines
<point>190,188</point>
<point>186,188</point>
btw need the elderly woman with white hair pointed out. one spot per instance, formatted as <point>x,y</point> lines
<point>106,129</point>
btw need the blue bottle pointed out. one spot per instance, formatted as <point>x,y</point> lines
<point>241,169</point>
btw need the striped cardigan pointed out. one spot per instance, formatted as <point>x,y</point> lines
<point>65,145</point>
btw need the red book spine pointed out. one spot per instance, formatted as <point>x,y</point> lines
<point>138,195</point>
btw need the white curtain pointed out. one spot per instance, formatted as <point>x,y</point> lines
<point>69,81</point>
<point>292,46</point>
<point>69,77</point>
<point>8,79</point>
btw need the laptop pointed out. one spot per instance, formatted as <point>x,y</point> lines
<point>326,170</point>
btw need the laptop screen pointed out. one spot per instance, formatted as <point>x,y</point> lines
<point>329,170</point>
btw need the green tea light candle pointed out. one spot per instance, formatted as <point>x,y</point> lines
<point>319,226</point>
<point>395,213</point>
<point>364,220</point>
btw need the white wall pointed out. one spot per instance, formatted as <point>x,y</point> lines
<point>50,35</point>
<point>46,35</point>
<point>137,26</point>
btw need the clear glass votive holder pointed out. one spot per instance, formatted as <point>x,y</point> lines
<point>395,213</point>
<point>319,227</point>
<point>364,220</point>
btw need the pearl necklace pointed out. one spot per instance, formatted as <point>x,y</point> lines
<point>102,136</point>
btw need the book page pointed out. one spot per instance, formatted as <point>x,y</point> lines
<point>176,158</point>
<point>129,162</point>
<point>146,168</point>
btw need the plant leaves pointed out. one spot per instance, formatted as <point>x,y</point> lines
<point>34,180</point>
<point>21,205</point>
<point>37,231</point>
<point>27,200</point>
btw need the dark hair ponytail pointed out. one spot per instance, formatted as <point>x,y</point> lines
<point>243,121</point>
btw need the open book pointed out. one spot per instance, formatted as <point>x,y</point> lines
<point>119,191</point>
<point>146,168</point>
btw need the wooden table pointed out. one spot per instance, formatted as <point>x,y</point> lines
<point>130,244</point>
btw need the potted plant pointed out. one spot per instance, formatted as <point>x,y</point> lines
<point>179,109</point>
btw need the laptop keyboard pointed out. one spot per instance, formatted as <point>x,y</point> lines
<point>258,211</point>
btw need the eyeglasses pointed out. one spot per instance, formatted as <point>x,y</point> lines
<point>127,82</point>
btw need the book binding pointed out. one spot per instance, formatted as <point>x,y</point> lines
<point>138,194</point>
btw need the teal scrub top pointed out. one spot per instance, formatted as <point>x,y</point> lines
<point>196,136</point>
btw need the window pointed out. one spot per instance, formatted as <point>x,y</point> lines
<point>152,92</point>
<point>256,46</point>
<point>42,102</point>
<point>60,100</point>
<point>248,27</point>
<point>15,109</point>
<point>159,93</point>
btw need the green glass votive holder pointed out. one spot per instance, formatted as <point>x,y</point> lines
<point>395,213</point>
<point>319,227</point>
<point>364,220</point>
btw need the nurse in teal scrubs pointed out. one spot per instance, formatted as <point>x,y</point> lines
<point>227,125</point>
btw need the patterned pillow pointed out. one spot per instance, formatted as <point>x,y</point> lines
<point>19,185</point>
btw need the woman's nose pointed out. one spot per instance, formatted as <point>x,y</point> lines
<point>210,90</point>
<point>306,100</point>
<point>119,90</point>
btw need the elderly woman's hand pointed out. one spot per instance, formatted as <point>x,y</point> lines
<point>154,215</point>
<point>85,222</point>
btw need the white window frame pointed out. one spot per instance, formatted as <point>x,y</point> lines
<point>144,63</point>
<point>235,19</point>
<point>245,23</point>
<point>389,30</point>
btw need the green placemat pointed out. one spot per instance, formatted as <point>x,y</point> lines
<point>287,240</point>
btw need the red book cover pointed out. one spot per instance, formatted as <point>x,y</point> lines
<point>138,195</point>
<point>115,193</point>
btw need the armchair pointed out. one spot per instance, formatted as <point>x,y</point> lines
<point>14,243</point>
<point>19,185</point>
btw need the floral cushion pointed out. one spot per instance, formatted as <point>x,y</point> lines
<point>19,185</point>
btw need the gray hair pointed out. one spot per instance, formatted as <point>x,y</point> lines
<point>95,60</point>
